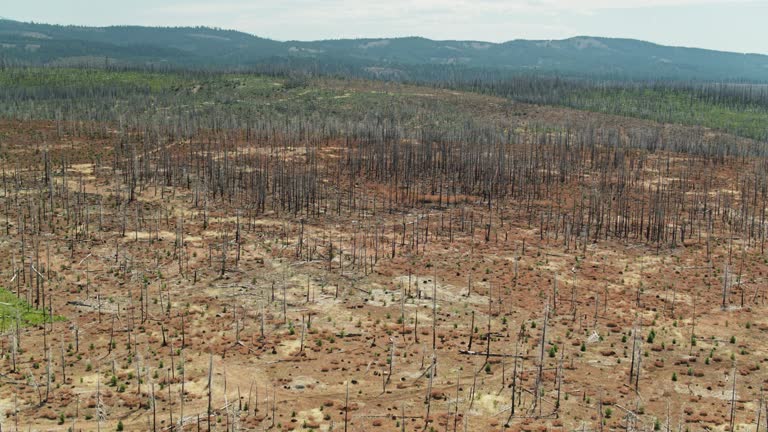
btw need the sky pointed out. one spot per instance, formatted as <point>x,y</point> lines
<point>728,25</point>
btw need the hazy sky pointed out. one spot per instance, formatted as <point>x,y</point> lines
<point>732,25</point>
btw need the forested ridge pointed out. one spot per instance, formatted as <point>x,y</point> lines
<point>408,57</point>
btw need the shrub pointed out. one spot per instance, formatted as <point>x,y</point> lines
<point>651,336</point>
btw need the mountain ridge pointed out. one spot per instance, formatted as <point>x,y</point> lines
<point>52,44</point>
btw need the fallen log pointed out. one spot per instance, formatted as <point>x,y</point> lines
<point>484,353</point>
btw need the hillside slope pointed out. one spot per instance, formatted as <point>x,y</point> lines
<point>33,43</point>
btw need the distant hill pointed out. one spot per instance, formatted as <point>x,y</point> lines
<point>44,44</point>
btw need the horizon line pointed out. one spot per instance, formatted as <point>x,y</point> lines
<point>32,22</point>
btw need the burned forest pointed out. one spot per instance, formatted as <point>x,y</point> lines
<point>200,251</point>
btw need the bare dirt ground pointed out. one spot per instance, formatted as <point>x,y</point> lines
<point>292,336</point>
